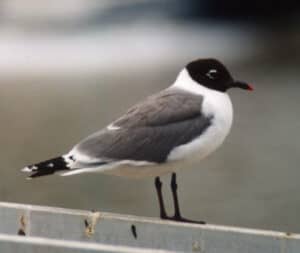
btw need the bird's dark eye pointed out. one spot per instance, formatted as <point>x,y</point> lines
<point>212,74</point>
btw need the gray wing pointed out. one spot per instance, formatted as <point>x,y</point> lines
<point>150,130</point>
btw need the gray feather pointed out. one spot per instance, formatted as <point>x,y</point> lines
<point>150,130</point>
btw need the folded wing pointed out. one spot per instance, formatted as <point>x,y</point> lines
<point>149,131</point>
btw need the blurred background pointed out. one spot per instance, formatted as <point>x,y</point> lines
<point>69,67</point>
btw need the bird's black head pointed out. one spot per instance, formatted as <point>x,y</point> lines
<point>212,74</point>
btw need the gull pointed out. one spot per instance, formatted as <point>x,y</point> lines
<point>171,130</point>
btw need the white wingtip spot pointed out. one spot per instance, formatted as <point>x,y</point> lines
<point>26,169</point>
<point>29,169</point>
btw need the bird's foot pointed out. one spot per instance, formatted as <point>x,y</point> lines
<point>181,219</point>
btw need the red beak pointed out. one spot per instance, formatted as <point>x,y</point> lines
<point>250,87</point>
<point>243,85</point>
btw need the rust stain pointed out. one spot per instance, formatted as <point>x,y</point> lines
<point>196,247</point>
<point>22,228</point>
<point>90,224</point>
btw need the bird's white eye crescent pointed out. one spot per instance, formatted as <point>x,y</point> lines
<point>212,74</point>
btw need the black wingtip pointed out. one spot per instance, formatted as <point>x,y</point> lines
<point>46,168</point>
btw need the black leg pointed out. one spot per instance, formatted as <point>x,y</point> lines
<point>163,214</point>
<point>177,215</point>
<point>158,185</point>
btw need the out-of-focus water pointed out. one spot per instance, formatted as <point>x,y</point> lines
<point>252,180</point>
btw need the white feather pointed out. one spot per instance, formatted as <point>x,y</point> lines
<point>110,168</point>
<point>112,127</point>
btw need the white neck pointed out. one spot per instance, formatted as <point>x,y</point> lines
<point>215,102</point>
<point>185,82</point>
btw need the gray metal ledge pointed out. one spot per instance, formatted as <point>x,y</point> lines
<point>26,227</point>
<point>17,244</point>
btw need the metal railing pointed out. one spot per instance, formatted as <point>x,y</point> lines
<point>27,228</point>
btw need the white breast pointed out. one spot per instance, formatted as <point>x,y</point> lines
<point>216,104</point>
